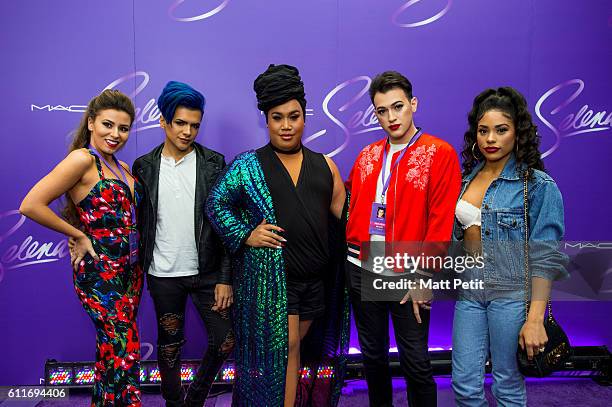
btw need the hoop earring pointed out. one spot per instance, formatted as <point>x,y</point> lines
<point>473,153</point>
<point>516,149</point>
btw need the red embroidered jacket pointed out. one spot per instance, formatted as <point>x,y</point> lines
<point>421,198</point>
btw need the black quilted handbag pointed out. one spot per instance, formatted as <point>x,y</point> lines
<point>557,349</point>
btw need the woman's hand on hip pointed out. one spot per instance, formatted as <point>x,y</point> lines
<point>79,247</point>
<point>264,236</point>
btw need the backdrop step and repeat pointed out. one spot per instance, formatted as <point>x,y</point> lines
<point>59,54</point>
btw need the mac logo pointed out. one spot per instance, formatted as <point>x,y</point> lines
<point>147,116</point>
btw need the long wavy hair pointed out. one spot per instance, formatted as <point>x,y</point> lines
<point>509,101</point>
<point>108,99</point>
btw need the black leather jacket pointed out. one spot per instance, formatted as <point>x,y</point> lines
<point>212,258</point>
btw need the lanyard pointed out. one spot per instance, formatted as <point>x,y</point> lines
<point>385,178</point>
<point>123,177</point>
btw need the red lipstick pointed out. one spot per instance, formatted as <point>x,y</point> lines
<point>111,145</point>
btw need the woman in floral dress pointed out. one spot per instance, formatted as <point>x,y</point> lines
<point>100,216</point>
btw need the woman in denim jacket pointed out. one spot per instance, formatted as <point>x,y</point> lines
<point>500,145</point>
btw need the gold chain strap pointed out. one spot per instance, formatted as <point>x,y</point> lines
<point>527,278</point>
<point>526,220</point>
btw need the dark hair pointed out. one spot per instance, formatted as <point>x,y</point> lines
<point>509,101</point>
<point>108,99</point>
<point>177,94</point>
<point>277,85</point>
<point>388,80</point>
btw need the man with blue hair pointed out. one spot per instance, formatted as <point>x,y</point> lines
<point>181,255</point>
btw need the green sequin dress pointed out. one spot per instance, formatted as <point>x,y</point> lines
<point>236,205</point>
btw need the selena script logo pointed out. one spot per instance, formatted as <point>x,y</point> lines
<point>397,16</point>
<point>29,251</point>
<point>174,6</point>
<point>584,120</point>
<point>361,121</point>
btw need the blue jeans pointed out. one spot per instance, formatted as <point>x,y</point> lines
<point>480,327</point>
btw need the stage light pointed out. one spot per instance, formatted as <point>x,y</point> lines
<point>84,375</point>
<point>305,373</point>
<point>60,376</point>
<point>154,376</point>
<point>325,372</point>
<point>187,373</point>
<point>355,351</point>
<point>228,374</point>
<point>586,361</point>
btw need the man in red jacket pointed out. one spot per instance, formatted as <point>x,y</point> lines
<point>413,179</point>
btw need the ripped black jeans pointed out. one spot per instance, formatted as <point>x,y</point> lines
<point>170,298</point>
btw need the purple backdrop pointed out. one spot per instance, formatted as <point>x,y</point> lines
<point>59,54</point>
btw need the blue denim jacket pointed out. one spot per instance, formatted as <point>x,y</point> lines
<point>503,221</point>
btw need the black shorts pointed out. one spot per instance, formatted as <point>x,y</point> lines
<point>306,299</point>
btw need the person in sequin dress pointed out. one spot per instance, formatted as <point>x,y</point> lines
<point>271,207</point>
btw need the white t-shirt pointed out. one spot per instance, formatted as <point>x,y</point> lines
<point>175,253</point>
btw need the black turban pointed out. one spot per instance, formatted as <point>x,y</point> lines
<point>277,85</point>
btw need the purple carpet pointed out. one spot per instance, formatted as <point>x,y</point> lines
<point>553,392</point>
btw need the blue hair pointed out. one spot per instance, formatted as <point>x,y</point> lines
<point>177,94</point>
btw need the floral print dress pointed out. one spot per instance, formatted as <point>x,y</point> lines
<point>110,289</point>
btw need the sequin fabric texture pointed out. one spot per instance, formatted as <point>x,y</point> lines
<point>110,290</point>
<point>236,205</point>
